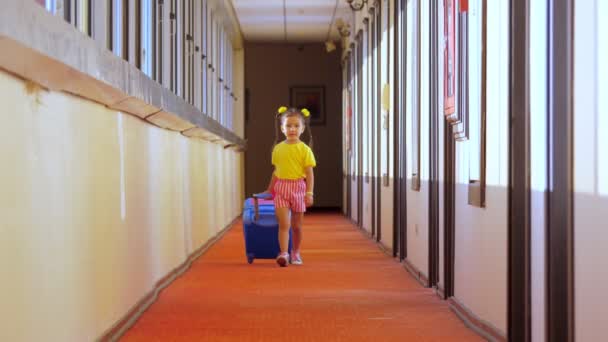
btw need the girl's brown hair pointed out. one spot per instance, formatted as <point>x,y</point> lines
<point>292,111</point>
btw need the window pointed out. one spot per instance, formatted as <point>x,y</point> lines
<point>602,88</point>
<point>353,112</point>
<point>173,46</point>
<point>134,33</point>
<point>180,46</point>
<point>76,12</point>
<point>83,16</point>
<point>475,100</point>
<point>375,113</point>
<point>147,37</point>
<point>384,60</point>
<point>160,39</point>
<point>211,69</point>
<point>455,66</point>
<point>187,51</point>
<point>461,122</point>
<point>119,24</point>
<point>204,58</point>
<point>413,88</point>
<point>222,78</point>
<point>359,106</point>
<point>196,56</point>
<point>367,112</point>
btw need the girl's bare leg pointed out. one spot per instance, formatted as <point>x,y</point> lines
<point>283,218</point>
<point>296,226</point>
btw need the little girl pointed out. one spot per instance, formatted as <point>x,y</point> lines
<point>292,181</point>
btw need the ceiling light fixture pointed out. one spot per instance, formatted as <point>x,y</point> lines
<point>356,5</point>
<point>329,44</point>
<point>343,28</point>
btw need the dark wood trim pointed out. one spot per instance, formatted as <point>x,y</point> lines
<point>519,264</point>
<point>385,11</point>
<point>67,11</point>
<point>416,273</point>
<point>398,207</point>
<point>449,212</point>
<point>379,125</point>
<point>126,30</point>
<point>89,18</point>
<point>349,171</point>
<point>403,175</point>
<point>482,328</point>
<point>131,317</point>
<point>172,49</point>
<point>137,34</point>
<point>560,235</point>
<point>433,248</point>
<point>110,23</point>
<point>359,97</point>
<point>374,124</point>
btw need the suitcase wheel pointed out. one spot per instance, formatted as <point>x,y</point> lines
<point>250,258</point>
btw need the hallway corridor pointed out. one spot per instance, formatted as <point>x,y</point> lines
<point>347,290</point>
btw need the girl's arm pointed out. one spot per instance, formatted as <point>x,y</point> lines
<point>273,179</point>
<point>310,185</point>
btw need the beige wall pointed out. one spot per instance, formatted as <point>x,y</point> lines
<point>270,69</point>
<point>96,206</point>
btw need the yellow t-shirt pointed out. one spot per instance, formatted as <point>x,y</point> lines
<point>289,160</point>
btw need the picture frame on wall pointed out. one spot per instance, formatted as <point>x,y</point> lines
<point>311,98</point>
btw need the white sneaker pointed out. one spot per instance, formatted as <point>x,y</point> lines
<point>283,259</point>
<point>296,259</point>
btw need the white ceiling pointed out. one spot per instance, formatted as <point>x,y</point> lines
<point>290,21</point>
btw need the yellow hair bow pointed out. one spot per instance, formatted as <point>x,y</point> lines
<point>305,112</point>
<point>282,109</point>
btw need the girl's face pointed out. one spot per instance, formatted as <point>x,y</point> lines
<point>292,127</point>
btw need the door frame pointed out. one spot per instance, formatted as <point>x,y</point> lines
<point>379,183</point>
<point>519,218</point>
<point>560,235</point>
<point>433,248</point>
<point>399,132</point>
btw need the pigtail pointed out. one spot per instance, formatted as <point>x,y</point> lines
<point>277,129</point>
<point>310,142</point>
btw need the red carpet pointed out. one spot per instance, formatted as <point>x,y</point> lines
<point>347,290</point>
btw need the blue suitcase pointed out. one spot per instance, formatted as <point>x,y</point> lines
<point>261,229</point>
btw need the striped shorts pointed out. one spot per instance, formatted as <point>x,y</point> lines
<point>290,193</point>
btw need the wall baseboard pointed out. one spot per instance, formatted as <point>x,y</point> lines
<point>331,209</point>
<point>440,291</point>
<point>418,275</point>
<point>386,250</point>
<point>484,329</point>
<point>125,323</point>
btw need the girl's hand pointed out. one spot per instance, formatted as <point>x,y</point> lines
<point>264,195</point>
<point>309,200</point>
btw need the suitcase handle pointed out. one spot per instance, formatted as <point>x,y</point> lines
<point>256,205</point>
